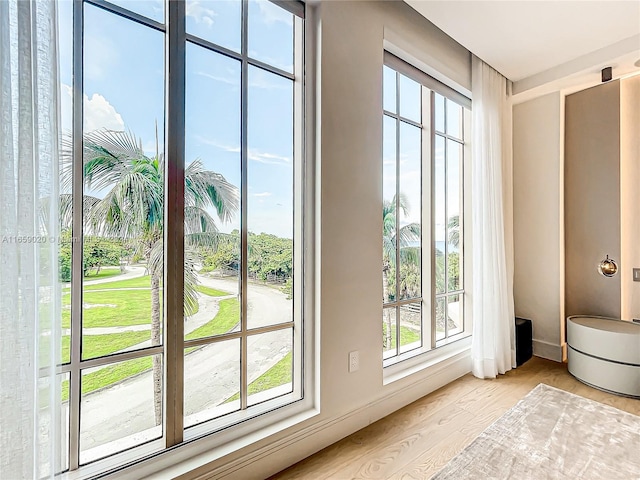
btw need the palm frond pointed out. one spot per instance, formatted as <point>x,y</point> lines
<point>204,239</point>
<point>65,210</point>
<point>197,220</point>
<point>410,255</point>
<point>409,234</point>
<point>156,267</point>
<point>107,155</point>
<point>190,282</point>
<point>204,188</point>
<point>453,227</point>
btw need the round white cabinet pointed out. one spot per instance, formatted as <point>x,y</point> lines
<point>605,353</point>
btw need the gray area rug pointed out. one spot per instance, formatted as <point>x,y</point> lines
<point>553,434</point>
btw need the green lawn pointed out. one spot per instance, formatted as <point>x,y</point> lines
<point>277,375</point>
<point>109,375</point>
<point>105,272</point>
<point>132,307</point>
<point>137,282</point>
<point>96,345</point>
<point>212,292</point>
<point>132,282</point>
<point>145,282</point>
<point>227,317</point>
<point>407,335</point>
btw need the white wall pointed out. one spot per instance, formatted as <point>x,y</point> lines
<point>350,226</point>
<point>538,219</point>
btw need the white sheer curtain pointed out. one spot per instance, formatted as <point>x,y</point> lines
<point>29,295</point>
<point>493,344</point>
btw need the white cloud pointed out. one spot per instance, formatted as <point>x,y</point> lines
<point>200,13</point>
<point>263,194</point>
<point>98,112</point>
<point>253,154</point>
<point>220,78</point>
<point>261,79</point>
<point>271,13</point>
<point>270,158</point>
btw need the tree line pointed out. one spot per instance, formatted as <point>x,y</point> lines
<point>268,255</point>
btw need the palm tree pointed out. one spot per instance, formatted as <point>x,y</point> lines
<point>449,276</point>
<point>405,236</point>
<point>453,227</point>
<point>133,209</point>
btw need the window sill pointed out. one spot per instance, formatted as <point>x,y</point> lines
<point>194,454</point>
<point>453,349</point>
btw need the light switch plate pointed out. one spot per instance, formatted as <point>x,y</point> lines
<point>636,274</point>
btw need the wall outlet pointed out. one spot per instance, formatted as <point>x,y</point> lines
<point>636,274</point>
<point>354,361</point>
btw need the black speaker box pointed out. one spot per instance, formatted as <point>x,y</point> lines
<point>524,340</point>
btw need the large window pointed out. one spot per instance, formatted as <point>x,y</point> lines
<point>181,262</point>
<point>424,128</point>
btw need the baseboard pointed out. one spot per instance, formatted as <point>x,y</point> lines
<point>270,459</point>
<point>547,350</point>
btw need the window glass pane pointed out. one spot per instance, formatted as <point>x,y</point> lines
<point>440,222</point>
<point>123,77</point>
<point>64,260</point>
<point>47,428</point>
<point>454,197</point>
<point>455,315</point>
<point>389,209</point>
<point>439,112</point>
<point>389,332</point>
<point>217,21</point>
<point>271,34</point>
<point>120,407</point>
<point>454,119</point>
<point>270,365</point>
<point>211,381</point>
<point>440,318</point>
<point>65,72</point>
<point>410,99</point>
<point>123,185</point>
<point>270,199</point>
<point>212,194</point>
<point>389,89</point>
<point>410,212</point>
<point>153,9</point>
<point>410,326</point>
<point>63,381</point>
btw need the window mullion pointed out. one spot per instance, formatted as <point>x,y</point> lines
<point>432,249</point>
<point>174,224</point>
<point>446,229</point>
<point>425,214</point>
<point>244,246</point>
<point>299,237</point>
<point>397,214</point>
<point>77,239</point>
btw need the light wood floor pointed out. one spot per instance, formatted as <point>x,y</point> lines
<point>419,439</point>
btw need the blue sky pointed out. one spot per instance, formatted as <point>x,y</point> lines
<point>124,89</point>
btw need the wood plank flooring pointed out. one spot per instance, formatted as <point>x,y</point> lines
<point>419,439</point>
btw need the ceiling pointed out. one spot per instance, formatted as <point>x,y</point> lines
<point>537,42</point>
